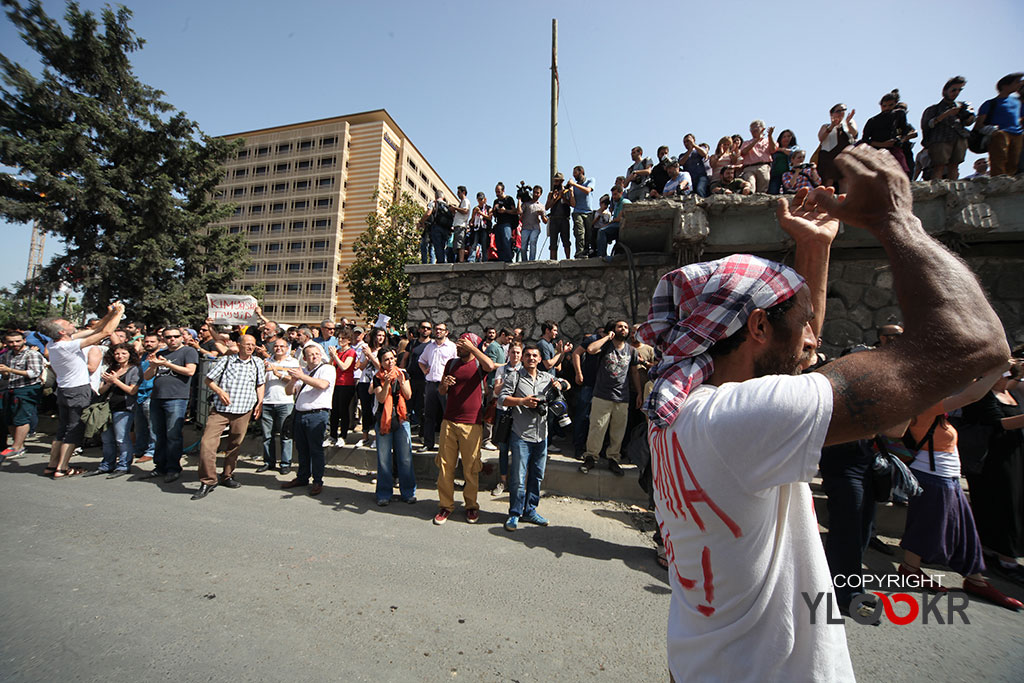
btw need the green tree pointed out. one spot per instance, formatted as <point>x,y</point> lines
<point>120,175</point>
<point>377,278</point>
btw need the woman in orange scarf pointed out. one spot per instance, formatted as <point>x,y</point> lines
<point>391,388</point>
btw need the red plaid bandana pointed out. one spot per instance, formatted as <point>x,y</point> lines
<point>694,307</point>
<point>474,339</point>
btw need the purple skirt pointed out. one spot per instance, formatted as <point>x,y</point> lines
<point>940,527</point>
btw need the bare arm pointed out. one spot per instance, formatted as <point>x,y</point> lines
<point>594,347</point>
<point>951,335</point>
<point>94,359</point>
<point>974,391</point>
<point>107,325</point>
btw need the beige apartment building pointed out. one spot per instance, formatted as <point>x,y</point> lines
<point>303,192</point>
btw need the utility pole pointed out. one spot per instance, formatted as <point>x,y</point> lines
<point>554,99</point>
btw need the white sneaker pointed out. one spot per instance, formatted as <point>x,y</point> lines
<point>498,489</point>
<point>340,443</point>
<point>328,443</point>
<point>488,446</point>
<point>358,444</point>
<point>372,443</point>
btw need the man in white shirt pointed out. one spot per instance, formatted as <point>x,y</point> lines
<point>736,432</point>
<point>460,223</point>
<point>432,362</point>
<point>313,389</point>
<point>74,392</point>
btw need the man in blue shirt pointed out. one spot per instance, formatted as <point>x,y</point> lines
<point>611,231</point>
<point>582,212</point>
<point>1004,148</point>
<point>145,439</point>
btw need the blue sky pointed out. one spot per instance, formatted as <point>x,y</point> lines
<point>469,81</point>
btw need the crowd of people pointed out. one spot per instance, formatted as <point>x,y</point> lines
<point>509,228</point>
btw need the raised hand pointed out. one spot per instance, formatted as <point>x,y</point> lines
<point>804,219</point>
<point>877,188</point>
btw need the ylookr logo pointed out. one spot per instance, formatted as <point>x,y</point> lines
<point>867,608</point>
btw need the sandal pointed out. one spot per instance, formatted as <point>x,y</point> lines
<point>69,472</point>
<point>48,471</point>
<point>662,558</point>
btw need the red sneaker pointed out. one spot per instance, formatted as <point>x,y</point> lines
<point>472,516</point>
<point>989,592</point>
<point>442,516</point>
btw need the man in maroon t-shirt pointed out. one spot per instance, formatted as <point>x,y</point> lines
<point>462,427</point>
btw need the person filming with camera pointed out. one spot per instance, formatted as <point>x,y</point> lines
<point>524,393</point>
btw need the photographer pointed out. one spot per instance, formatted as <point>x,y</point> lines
<point>533,215</point>
<point>944,125</point>
<point>638,175</point>
<point>506,218</point>
<point>560,204</point>
<point>800,174</point>
<point>437,227</point>
<point>523,393</point>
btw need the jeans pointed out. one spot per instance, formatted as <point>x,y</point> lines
<point>503,242</point>
<point>846,479</point>
<point>605,235</point>
<point>502,446</point>
<point>117,442</point>
<point>581,421</point>
<point>308,433</point>
<point>701,186</point>
<point>439,241</point>
<point>167,419</point>
<point>397,442</point>
<point>425,255</point>
<point>530,238</point>
<point>271,422</point>
<point>526,472</point>
<point>433,413</point>
<point>582,225</point>
<point>145,439</point>
<point>559,229</point>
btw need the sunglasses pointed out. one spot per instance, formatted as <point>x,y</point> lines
<point>172,336</point>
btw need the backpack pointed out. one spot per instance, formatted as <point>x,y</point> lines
<point>443,216</point>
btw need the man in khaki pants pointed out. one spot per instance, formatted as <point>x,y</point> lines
<point>609,409</point>
<point>462,429</point>
<point>237,382</point>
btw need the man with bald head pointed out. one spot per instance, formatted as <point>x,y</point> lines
<point>237,385</point>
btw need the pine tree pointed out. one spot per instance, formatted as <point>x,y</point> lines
<point>117,173</point>
<point>377,278</point>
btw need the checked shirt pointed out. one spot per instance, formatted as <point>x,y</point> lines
<point>29,359</point>
<point>239,378</point>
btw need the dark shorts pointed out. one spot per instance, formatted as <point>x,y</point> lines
<point>70,404</point>
<point>20,405</point>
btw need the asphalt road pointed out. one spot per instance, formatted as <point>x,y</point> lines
<point>128,580</point>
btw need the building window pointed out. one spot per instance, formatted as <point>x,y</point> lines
<point>238,192</point>
<point>254,249</point>
<point>304,165</point>
<point>325,182</point>
<point>243,154</point>
<point>272,268</point>
<point>218,194</point>
<point>250,270</point>
<point>284,148</point>
<point>412,164</point>
<point>433,189</point>
<point>273,247</point>
<point>277,207</point>
<point>262,151</point>
<point>289,308</point>
<point>305,144</point>
<point>295,267</point>
<point>270,308</point>
<point>298,226</point>
<point>280,187</point>
<point>320,223</point>
<point>319,244</point>
<point>300,205</point>
<point>260,170</point>
<point>314,308</point>
<point>292,288</point>
<point>277,227</point>
<point>315,287</point>
<point>318,266</point>
<point>423,195</point>
<point>270,288</point>
<point>323,203</point>
<point>423,177</point>
<point>296,246</point>
<point>410,183</point>
<point>329,142</point>
<point>327,162</point>
<point>240,172</point>
<point>235,229</point>
<point>259,189</point>
<point>238,211</point>
<point>256,209</point>
<point>301,184</point>
<point>282,168</point>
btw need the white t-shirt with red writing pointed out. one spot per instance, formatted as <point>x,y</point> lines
<point>738,521</point>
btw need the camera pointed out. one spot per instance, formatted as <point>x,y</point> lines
<point>524,192</point>
<point>802,166</point>
<point>554,401</point>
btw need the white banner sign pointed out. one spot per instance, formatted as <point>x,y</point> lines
<point>232,309</point>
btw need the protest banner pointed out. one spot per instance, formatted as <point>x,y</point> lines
<point>232,309</point>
